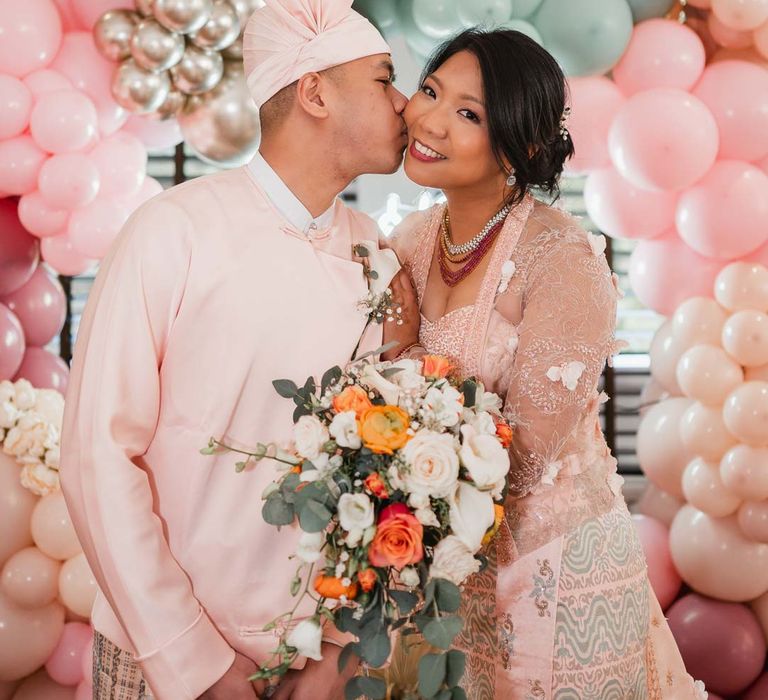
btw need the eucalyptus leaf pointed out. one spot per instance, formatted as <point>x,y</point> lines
<point>431,674</point>
<point>361,251</point>
<point>330,377</point>
<point>346,655</point>
<point>390,372</point>
<point>406,601</point>
<point>374,688</point>
<point>285,387</point>
<point>375,649</point>
<point>373,274</point>
<point>276,511</point>
<point>447,595</point>
<point>378,351</point>
<point>441,631</point>
<point>314,517</point>
<point>455,665</point>
<point>309,386</point>
<point>458,694</point>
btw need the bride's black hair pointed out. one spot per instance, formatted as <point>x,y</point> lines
<point>525,99</point>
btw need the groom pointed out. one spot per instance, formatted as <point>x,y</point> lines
<point>213,289</point>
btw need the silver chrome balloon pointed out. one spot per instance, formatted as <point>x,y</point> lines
<point>198,71</point>
<point>183,16</point>
<point>173,104</point>
<point>234,52</point>
<point>138,90</point>
<point>245,8</point>
<point>221,29</point>
<point>112,33</point>
<point>155,48</point>
<point>222,127</point>
<point>144,7</point>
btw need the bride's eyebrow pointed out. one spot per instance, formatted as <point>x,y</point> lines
<point>468,98</point>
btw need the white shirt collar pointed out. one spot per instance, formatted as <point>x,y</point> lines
<point>285,201</point>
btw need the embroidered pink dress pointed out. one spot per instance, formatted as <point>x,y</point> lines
<point>564,609</point>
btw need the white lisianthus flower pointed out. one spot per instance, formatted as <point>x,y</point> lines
<point>323,466</point>
<point>445,404</point>
<point>434,465</point>
<point>310,546</point>
<point>384,262</point>
<point>418,500</point>
<point>309,436</point>
<point>343,429</point>
<point>372,380</point>
<point>307,638</point>
<point>486,400</point>
<point>409,577</point>
<point>409,378</point>
<point>485,459</point>
<point>471,514</point>
<point>355,515</point>
<point>483,423</point>
<point>395,479</point>
<point>453,560</point>
<point>427,517</point>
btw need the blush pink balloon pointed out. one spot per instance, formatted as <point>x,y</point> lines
<point>621,210</point>
<point>723,215</point>
<point>721,643</point>
<point>12,343</point>
<point>31,35</point>
<point>94,228</point>
<point>69,19</point>
<point>65,663</point>
<point>39,218</point>
<point>69,181</point>
<point>744,472</point>
<point>30,578</point>
<point>665,353</point>
<point>757,691</point>
<point>63,121</point>
<point>753,520</point>
<point>741,286</point>
<point>16,506</point>
<point>663,139</point>
<point>44,370</point>
<point>88,11</point>
<point>741,15</point>
<point>704,434</point>
<point>84,691</point>
<point>121,160</point>
<point>40,685</point>
<point>704,490</point>
<point>20,162</point>
<point>727,37</point>
<point>15,106</point>
<point>662,53</point>
<point>62,256</point>
<point>654,273</point>
<point>46,80</point>
<point>736,93</point>
<point>746,413</point>
<point>149,188</point>
<point>745,338</point>
<point>19,253</point>
<point>77,585</point>
<point>706,373</point>
<point>594,103</point>
<point>87,662</point>
<point>162,134</point>
<point>654,538</point>
<point>41,306</point>
<point>52,528</point>
<point>699,320</point>
<point>659,505</point>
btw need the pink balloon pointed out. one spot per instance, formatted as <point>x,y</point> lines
<point>162,134</point>
<point>61,255</point>
<point>654,273</point>
<point>149,188</point>
<point>723,215</point>
<point>88,11</point>
<point>30,578</point>
<point>721,643</point>
<point>663,139</point>
<point>65,663</point>
<point>31,34</point>
<point>748,55</point>
<point>757,691</point>
<point>69,180</point>
<point>44,370</point>
<point>726,36</point>
<point>20,162</point>
<point>658,505</point>
<point>84,691</point>
<point>15,106</point>
<point>52,528</point>
<point>12,344</point>
<point>761,40</point>
<point>40,685</point>
<point>741,286</point>
<point>704,489</point>
<point>654,537</point>
<point>46,80</point>
<point>77,585</point>
<point>742,15</point>
<point>69,19</point>
<point>621,210</point>
<point>753,520</point>
<point>662,53</point>
<point>16,506</point>
<point>93,228</point>
<point>41,306</point>
<point>746,413</point>
<point>64,121</point>
<point>19,253</point>
<point>39,218</point>
<point>121,160</point>
<point>744,471</point>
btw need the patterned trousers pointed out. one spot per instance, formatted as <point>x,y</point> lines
<point>116,676</point>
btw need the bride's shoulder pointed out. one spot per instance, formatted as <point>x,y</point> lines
<point>550,226</point>
<point>405,235</point>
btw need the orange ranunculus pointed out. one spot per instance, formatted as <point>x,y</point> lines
<point>332,587</point>
<point>375,484</point>
<point>384,429</point>
<point>398,539</point>
<point>498,516</point>
<point>353,398</point>
<point>367,579</point>
<point>504,433</point>
<point>436,366</point>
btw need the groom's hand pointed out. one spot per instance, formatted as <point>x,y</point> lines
<point>234,684</point>
<point>407,332</point>
<point>318,680</point>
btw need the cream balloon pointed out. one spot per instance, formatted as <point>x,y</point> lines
<point>183,16</point>
<point>154,48</point>
<point>715,559</point>
<point>741,15</point>
<point>704,434</point>
<point>744,472</point>
<point>660,450</point>
<point>77,585</point>
<point>704,490</point>
<point>741,286</point>
<point>30,578</point>
<point>139,90</point>
<point>745,338</point>
<point>52,528</point>
<point>16,506</point>
<point>221,29</point>
<point>753,520</point>
<point>698,320</point>
<point>746,413</point>
<point>651,394</point>
<point>665,352</point>
<point>707,374</point>
<point>658,504</point>
<point>756,374</point>
<point>112,34</point>
<point>199,71</point>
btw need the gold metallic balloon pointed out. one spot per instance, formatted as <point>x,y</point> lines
<point>138,90</point>
<point>245,8</point>
<point>173,104</point>
<point>112,33</point>
<point>221,29</point>
<point>222,127</point>
<point>154,48</point>
<point>198,71</point>
<point>234,52</point>
<point>144,7</point>
<point>183,16</point>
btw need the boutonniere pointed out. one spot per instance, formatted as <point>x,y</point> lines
<point>380,266</point>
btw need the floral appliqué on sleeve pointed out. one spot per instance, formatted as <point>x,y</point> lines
<point>568,373</point>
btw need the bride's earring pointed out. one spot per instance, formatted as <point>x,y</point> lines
<point>511,180</point>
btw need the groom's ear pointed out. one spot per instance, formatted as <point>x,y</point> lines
<point>310,95</point>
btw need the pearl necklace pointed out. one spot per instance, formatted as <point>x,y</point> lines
<point>472,244</point>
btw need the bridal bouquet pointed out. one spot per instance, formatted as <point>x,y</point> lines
<point>396,476</point>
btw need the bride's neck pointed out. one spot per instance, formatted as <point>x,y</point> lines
<point>470,211</point>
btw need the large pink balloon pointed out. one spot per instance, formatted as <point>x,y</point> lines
<point>742,286</point>
<point>699,320</point>
<point>20,162</point>
<point>12,343</point>
<point>65,663</point>
<point>745,338</point>
<point>746,413</point>
<point>753,520</point>
<point>757,691</point>
<point>663,139</point>
<point>658,504</point>
<point>77,585</point>
<point>704,489</point>
<point>665,353</point>
<point>706,373</point>
<point>41,306</point>
<point>31,34</point>
<point>121,160</point>
<point>742,15</point>
<point>30,578</point>
<point>69,180</point>
<point>594,103</point>
<point>654,537</point>
<point>721,643</point>
<point>93,228</point>
<point>16,506</point>
<point>39,218</point>
<point>52,528</point>
<point>44,370</point>
<point>744,471</point>
<point>654,273</point>
<point>736,93</point>
<point>19,252</point>
<point>162,134</point>
<point>726,36</point>
<point>40,685</point>
<point>62,256</point>
<point>704,434</point>
<point>621,210</point>
<point>662,53</point>
<point>64,121</point>
<point>88,11</point>
<point>46,80</point>
<point>15,106</point>
<point>723,215</point>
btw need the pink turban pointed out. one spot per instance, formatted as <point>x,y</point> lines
<point>289,38</point>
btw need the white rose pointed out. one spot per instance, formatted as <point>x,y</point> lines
<point>306,638</point>
<point>371,379</point>
<point>395,479</point>
<point>39,479</point>
<point>471,514</point>
<point>409,577</point>
<point>409,378</point>
<point>309,436</point>
<point>418,500</point>
<point>355,513</point>
<point>483,423</point>
<point>310,546</point>
<point>434,465</point>
<point>485,459</point>
<point>322,468</point>
<point>384,262</point>
<point>445,405</point>
<point>453,560</point>
<point>25,395</point>
<point>343,429</point>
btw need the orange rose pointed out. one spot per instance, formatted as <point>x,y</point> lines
<point>436,366</point>
<point>375,484</point>
<point>398,538</point>
<point>504,433</point>
<point>367,579</point>
<point>332,587</point>
<point>498,516</point>
<point>384,429</point>
<point>353,398</point>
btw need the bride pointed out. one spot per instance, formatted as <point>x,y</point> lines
<point>523,299</point>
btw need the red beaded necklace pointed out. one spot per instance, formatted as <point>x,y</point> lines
<point>471,260</point>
